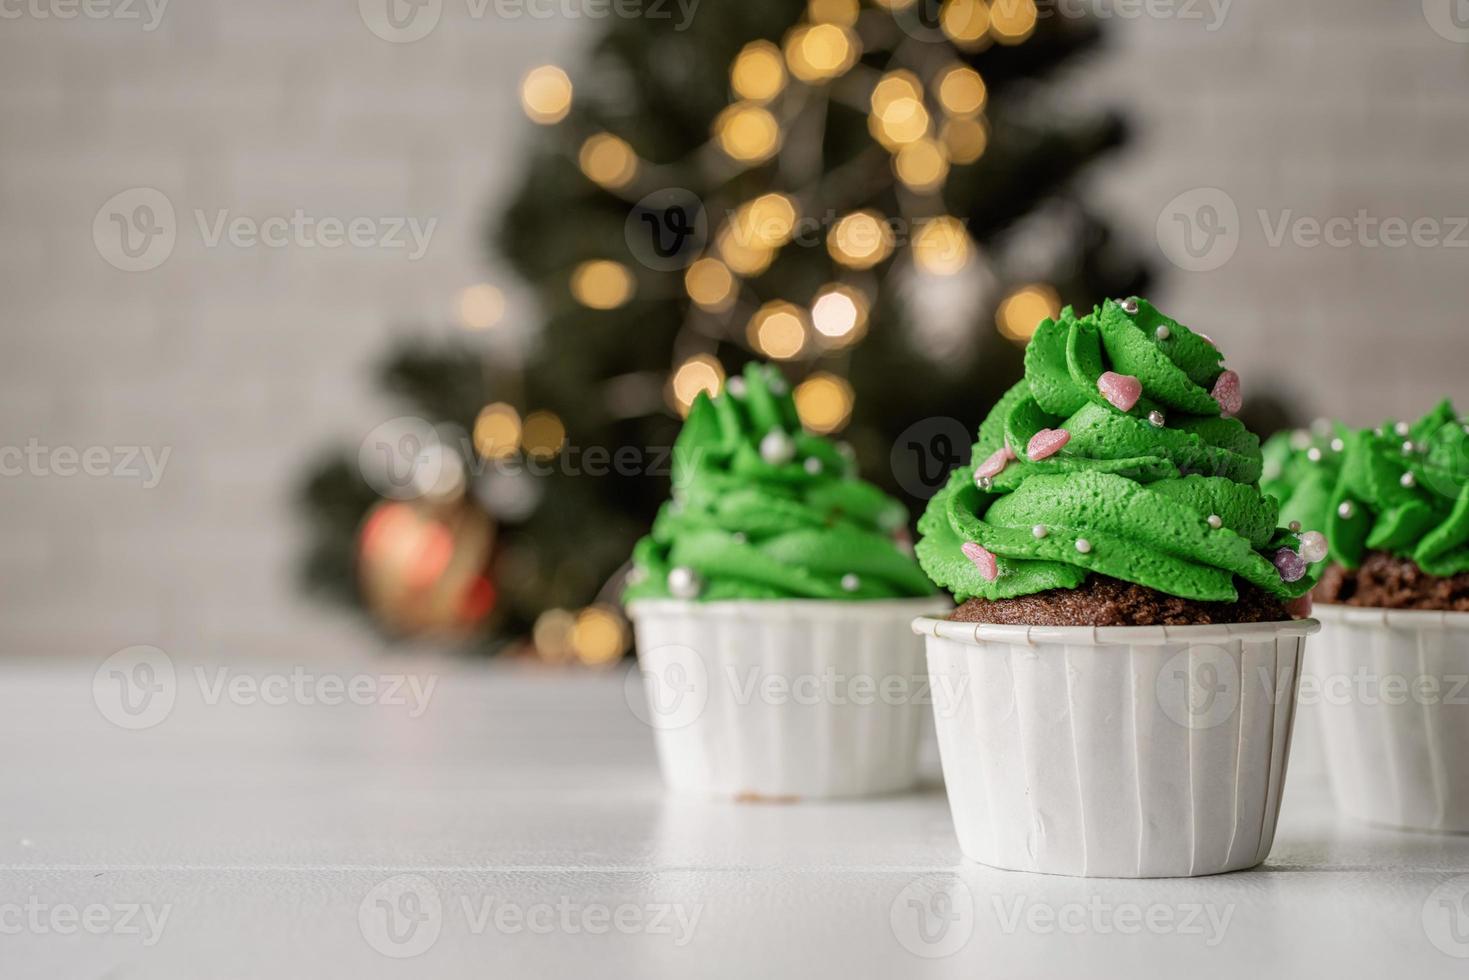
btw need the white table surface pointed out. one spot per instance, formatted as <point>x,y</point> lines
<point>259,836</point>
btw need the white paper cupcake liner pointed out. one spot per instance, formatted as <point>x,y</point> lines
<point>1391,691</point>
<point>1122,752</point>
<point>782,699</point>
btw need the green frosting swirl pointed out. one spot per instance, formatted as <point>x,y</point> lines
<point>1402,488</point>
<point>764,510</point>
<point>1124,497</point>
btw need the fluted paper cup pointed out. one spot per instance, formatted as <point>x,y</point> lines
<point>1115,752</point>
<point>782,699</point>
<point>1391,691</point>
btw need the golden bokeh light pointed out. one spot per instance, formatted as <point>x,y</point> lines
<point>1024,309</point>
<point>839,315</point>
<point>702,372</point>
<point>497,431</point>
<point>922,165</point>
<point>824,402</point>
<point>768,220</point>
<point>900,121</point>
<point>545,94</point>
<point>758,73</point>
<point>481,306</point>
<point>941,246</point>
<point>552,634</point>
<point>961,91</point>
<point>598,636</point>
<point>710,284</point>
<point>843,12</point>
<point>543,434</point>
<point>900,84</point>
<point>966,22</point>
<point>965,139</point>
<point>778,330</point>
<point>860,240</point>
<point>1012,21</point>
<point>893,4</point>
<point>601,284</point>
<point>820,52</point>
<point>607,160</point>
<point>748,258</point>
<point>747,133</point>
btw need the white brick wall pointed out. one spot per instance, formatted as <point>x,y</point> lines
<point>243,361</point>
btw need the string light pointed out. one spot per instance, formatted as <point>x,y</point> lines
<point>608,160</point>
<point>820,52</point>
<point>778,330</point>
<point>497,431</point>
<point>860,240</point>
<point>1012,21</point>
<point>710,285</point>
<point>543,434</point>
<point>966,22</point>
<point>747,133</point>
<point>481,306</point>
<point>701,372</point>
<point>922,165</point>
<point>941,246</point>
<point>758,74</point>
<point>597,636</point>
<point>1024,309</point>
<point>601,284</point>
<point>545,94</point>
<point>824,402</point>
<point>965,139</point>
<point>839,314</point>
<point>745,257</point>
<point>843,12</point>
<point>961,91</point>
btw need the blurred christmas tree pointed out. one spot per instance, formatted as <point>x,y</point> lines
<point>880,198</point>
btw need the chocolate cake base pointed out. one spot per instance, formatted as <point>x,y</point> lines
<point>1104,601</point>
<point>1388,582</point>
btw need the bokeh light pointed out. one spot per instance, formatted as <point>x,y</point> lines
<point>965,139</point>
<point>843,12</point>
<point>778,330</point>
<point>747,133</point>
<point>481,306</point>
<point>598,635</point>
<point>922,165</point>
<point>961,91</point>
<point>748,258</point>
<point>543,434</point>
<point>941,246</point>
<point>839,315</point>
<point>545,94</point>
<point>601,284</point>
<point>608,160</point>
<point>824,402</point>
<point>820,52</point>
<point>1024,309</point>
<point>860,240</point>
<point>702,372</point>
<point>710,284</point>
<point>1012,21</point>
<point>497,431</point>
<point>966,22</point>
<point>768,220</point>
<point>758,73</point>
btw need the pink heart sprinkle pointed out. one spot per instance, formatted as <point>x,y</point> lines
<point>1122,390</point>
<point>983,560</point>
<point>1226,392</point>
<point>1045,443</point>
<point>1299,608</point>
<point>993,466</point>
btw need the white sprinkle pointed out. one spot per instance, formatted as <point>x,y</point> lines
<point>684,583</point>
<point>1408,448</point>
<point>1313,454</point>
<point>984,482</point>
<point>1039,531</point>
<point>1313,546</point>
<point>1402,428</point>
<point>812,465</point>
<point>1408,480</point>
<point>1347,510</point>
<point>1337,445</point>
<point>1295,527</point>
<point>1215,521</point>
<point>736,387</point>
<point>1157,419</point>
<point>1129,306</point>
<point>1083,545</point>
<point>1162,333</point>
<point>777,448</point>
<point>850,582</point>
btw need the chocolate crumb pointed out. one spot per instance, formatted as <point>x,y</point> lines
<point>1386,581</point>
<point>1105,601</point>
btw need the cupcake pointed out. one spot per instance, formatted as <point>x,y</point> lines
<point>772,603</point>
<point>1115,693</point>
<point>1391,678</point>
